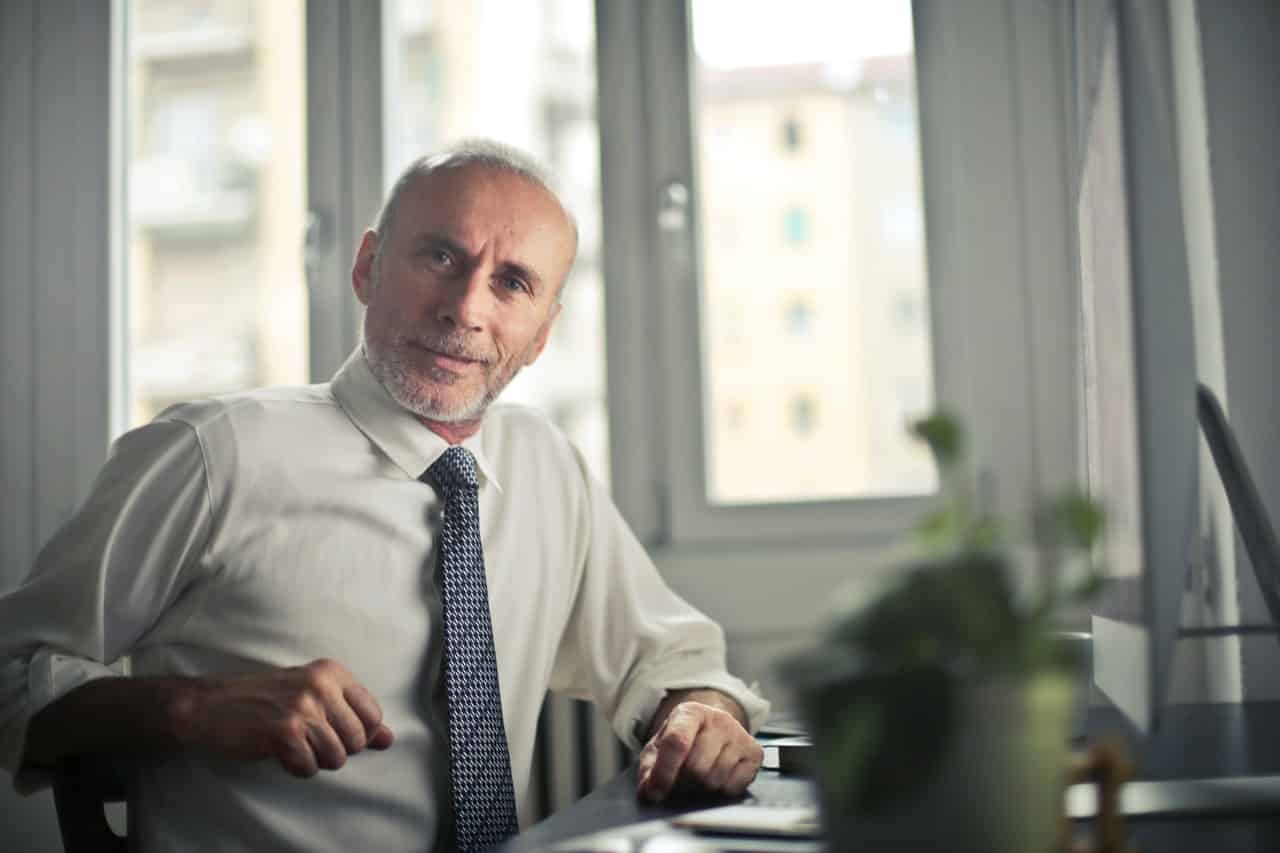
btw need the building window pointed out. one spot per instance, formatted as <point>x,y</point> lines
<point>796,226</point>
<point>799,319</point>
<point>792,135</point>
<point>803,414</point>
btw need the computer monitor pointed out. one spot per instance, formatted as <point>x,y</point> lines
<point>1143,403</point>
<point>1138,346</point>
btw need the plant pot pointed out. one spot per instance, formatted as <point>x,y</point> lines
<point>946,763</point>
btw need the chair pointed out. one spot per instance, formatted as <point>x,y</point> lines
<point>82,786</point>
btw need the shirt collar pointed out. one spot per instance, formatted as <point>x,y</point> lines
<point>393,429</point>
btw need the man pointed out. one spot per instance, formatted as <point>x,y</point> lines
<point>340,577</point>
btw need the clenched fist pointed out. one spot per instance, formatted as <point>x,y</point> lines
<point>308,718</point>
<point>698,747</point>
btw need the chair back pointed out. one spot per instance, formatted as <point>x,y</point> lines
<point>82,786</point>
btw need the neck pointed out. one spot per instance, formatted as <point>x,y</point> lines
<point>454,432</point>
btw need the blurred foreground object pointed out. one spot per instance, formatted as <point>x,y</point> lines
<point>941,709</point>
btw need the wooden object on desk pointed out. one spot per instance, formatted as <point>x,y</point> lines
<point>1106,765</point>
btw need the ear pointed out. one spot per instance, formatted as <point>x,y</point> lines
<point>540,340</point>
<point>362,268</point>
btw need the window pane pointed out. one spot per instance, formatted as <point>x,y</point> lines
<point>215,292</point>
<point>814,292</point>
<point>522,72</point>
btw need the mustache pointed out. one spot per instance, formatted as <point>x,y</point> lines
<point>454,346</point>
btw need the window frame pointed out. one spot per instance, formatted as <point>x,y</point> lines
<point>999,283</point>
<point>344,167</point>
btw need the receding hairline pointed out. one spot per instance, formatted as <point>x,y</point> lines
<point>470,153</point>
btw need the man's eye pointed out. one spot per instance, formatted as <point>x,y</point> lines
<point>440,257</point>
<point>514,285</point>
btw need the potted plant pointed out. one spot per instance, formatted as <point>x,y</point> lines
<point>939,709</point>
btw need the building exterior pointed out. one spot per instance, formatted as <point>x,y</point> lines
<point>216,294</point>
<point>815,308</point>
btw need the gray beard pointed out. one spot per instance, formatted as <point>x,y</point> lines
<point>398,379</point>
<point>401,383</point>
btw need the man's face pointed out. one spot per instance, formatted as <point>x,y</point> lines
<point>462,292</point>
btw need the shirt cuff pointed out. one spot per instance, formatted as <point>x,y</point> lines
<point>636,710</point>
<point>50,676</point>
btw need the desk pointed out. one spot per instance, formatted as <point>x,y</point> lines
<point>1195,740</point>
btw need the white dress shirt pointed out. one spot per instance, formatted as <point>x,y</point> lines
<point>274,527</point>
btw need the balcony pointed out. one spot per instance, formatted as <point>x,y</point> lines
<point>173,198</point>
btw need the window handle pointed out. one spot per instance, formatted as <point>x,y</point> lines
<point>674,235</point>
<point>673,212</point>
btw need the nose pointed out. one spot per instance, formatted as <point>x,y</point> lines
<point>465,301</point>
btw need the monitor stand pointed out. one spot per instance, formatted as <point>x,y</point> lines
<point>1121,674</point>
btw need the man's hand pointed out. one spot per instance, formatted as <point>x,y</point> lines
<point>306,717</point>
<point>699,745</point>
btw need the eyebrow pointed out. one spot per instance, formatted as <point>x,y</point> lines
<point>525,272</point>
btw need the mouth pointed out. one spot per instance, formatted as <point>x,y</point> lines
<point>452,362</point>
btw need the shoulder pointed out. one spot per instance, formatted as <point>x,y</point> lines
<point>258,409</point>
<point>254,428</point>
<point>520,437</point>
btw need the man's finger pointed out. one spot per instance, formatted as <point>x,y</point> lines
<point>707,751</point>
<point>365,707</point>
<point>329,751</point>
<point>717,776</point>
<point>674,743</point>
<point>744,773</point>
<point>347,725</point>
<point>293,750</point>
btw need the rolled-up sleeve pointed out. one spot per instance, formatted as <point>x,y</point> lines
<point>630,638</point>
<point>104,579</point>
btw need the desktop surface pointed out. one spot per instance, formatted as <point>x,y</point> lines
<point>1201,740</point>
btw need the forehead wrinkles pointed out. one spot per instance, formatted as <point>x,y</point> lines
<point>478,207</point>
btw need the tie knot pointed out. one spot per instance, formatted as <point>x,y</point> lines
<point>455,469</point>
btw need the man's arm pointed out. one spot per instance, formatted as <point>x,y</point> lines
<point>112,574</point>
<point>104,579</point>
<point>698,741</point>
<point>630,637</point>
<point>308,718</point>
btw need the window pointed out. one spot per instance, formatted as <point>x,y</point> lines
<point>788,151</point>
<point>795,226</point>
<point>889,146</point>
<point>803,412</point>
<point>828,199</point>
<point>443,86</point>
<point>799,319</point>
<point>792,137</point>
<point>214,289</point>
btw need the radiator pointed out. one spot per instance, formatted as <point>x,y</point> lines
<point>576,752</point>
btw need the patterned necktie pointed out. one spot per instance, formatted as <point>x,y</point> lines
<point>484,802</point>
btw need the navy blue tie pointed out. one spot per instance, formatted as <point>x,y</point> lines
<point>484,802</point>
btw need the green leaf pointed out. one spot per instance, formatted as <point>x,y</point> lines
<point>1079,520</point>
<point>942,432</point>
<point>940,530</point>
<point>986,534</point>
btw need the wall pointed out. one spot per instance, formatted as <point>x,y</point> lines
<point>54,288</point>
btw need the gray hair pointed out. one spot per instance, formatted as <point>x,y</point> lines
<point>487,153</point>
